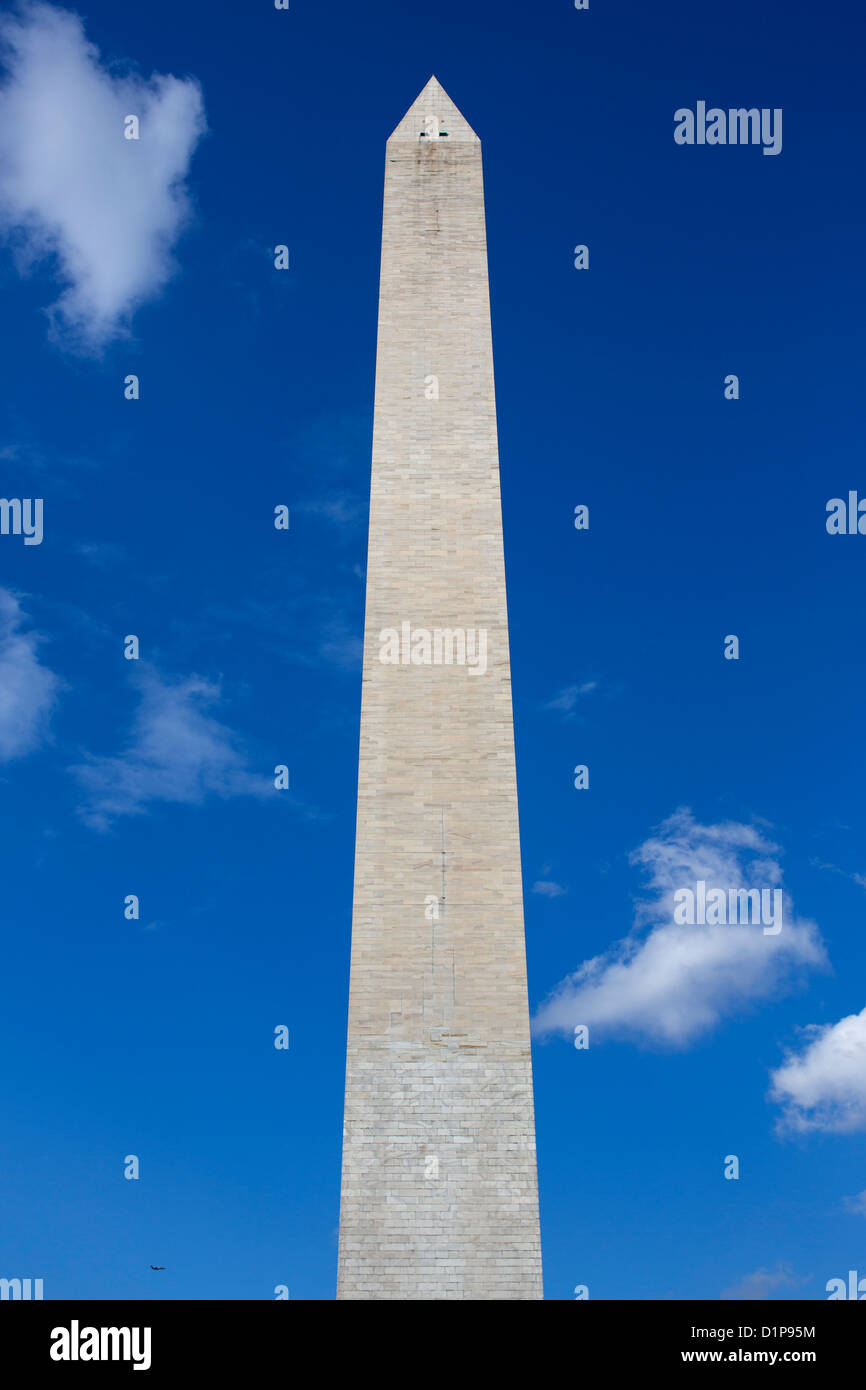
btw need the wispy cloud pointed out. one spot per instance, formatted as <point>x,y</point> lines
<point>341,646</point>
<point>28,689</point>
<point>824,1086</point>
<point>857,1204</point>
<point>668,984</point>
<point>176,753</point>
<point>100,553</point>
<point>319,627</point>
<point>567,700</point>
<point>763,1282</point>
<point>859,879</point>
<point>548,889</point>
<point>344,509</point>
<point>73,187</point>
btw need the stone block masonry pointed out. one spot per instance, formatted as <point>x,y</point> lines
<point>439,1187</point>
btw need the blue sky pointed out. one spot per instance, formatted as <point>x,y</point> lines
<point>707,518</point>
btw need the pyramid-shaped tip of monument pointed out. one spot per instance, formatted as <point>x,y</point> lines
<point>433,116</point>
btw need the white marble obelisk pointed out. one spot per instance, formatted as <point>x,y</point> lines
<point>439,1187</point>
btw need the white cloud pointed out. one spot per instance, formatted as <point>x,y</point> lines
<point>548,889</point>
<point>27,688</point>
<point>343,508</point>
<point>859,879</point>
<point>824,1087</point>
<point>857,1204</point>
<point>566,700</point>
<point>71,186</point>
<point>177,753</point>
<point>758,1286</point>
<point>668,984</point>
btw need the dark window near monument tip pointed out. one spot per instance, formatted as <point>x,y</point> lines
<point>443,135</point>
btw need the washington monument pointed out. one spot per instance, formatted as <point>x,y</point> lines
<point>439,1186</point>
